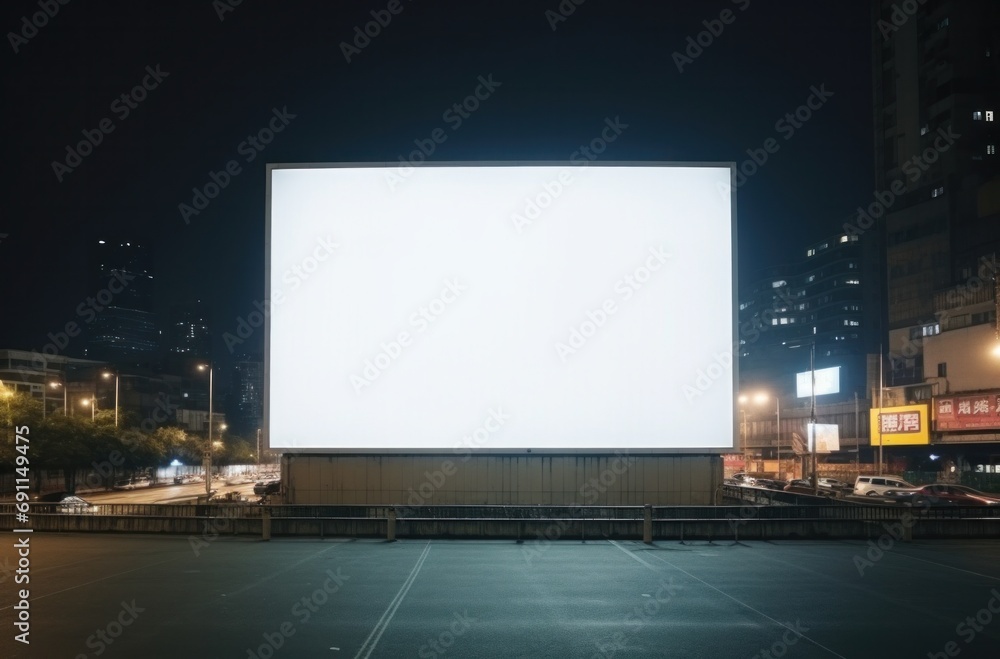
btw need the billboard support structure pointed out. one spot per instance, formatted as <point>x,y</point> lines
<point>812,419</point>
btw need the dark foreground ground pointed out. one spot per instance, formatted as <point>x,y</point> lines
<point>148,597</point>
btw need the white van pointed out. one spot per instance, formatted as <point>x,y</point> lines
<point>876,486</point>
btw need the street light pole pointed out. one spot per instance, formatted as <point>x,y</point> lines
<point>208,452</point>
<point>777,402</point>
<point>106,375</point>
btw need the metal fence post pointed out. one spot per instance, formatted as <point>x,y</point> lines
<point>390,531</point>
<point>265,523</point>
<point>647,524</point>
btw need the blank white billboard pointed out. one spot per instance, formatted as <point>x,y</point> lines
<point>827,382</point>
<point>500,307</point>
<point>826,436</point>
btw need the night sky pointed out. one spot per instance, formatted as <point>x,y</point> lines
<point>220,80</point>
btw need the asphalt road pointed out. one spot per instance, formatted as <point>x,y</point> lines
<point>165,493</point>
<point>150,597</point>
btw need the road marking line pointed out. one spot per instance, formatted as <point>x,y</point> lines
<point>383,622</point>
<point>743,604</point>
<point>110,576</point>
<point>632,555</point>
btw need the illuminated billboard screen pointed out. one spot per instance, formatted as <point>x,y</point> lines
<point>500,307</point>
<point>825,435</point>
<point>827,382</point>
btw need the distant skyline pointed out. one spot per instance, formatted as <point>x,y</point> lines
<point>714,81</point>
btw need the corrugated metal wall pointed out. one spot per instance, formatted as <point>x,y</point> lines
<point>612,480</point>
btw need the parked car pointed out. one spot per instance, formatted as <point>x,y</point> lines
<point>263,488</point>
<point>874,486</point>
<point>839,487</point>
<point>805,486</point>
<point>742,478</point>
<point>50,497</point>
<point>944,494</point>
<point>74,505</point>
<point>771,483</point>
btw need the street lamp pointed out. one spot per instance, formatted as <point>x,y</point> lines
<point>208,451</point>
<point>92,402</point>
<point>743,399</point>
<point>56,385</point>
<point>107,375</point>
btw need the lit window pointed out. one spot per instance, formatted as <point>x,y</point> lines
<point>937,192</point>
<point>844,239</point>
<point>943,23</point>
<point>924,129</point>
<point>810,278</point>
<point>854,282</point>
<point>977,115</point>
<point>991,149</point>
<point>989,115</point>
<point>779,283</point>
<point>784,321</point>
<point>810,252</point>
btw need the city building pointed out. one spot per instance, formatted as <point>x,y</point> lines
<point>247,398</point>
<point>62,384</point>
<point>936,75</point>
<point>189,331</point>
<point>121,324</point>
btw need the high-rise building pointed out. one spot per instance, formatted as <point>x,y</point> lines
<point>190,334</point>
<point>247,399</point>
<point>829,299</point>
<point>119,313</point>
<point>936,70</point>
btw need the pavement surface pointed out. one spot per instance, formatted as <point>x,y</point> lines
<point>141,596</point>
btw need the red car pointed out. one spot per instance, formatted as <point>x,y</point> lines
<point>945,494</point>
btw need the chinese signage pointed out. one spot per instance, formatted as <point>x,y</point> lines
<point>899,426</point>
<point>966,412</point>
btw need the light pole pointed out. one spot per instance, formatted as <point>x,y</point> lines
<point>258,450</point>
<point>208,451</point>
<point>92,402</point>
<point>107,375</point>
<point>746,435</point>
<point>63,385</point>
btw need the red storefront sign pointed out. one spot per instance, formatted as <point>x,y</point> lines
<point>967,412</point>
